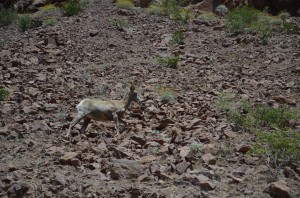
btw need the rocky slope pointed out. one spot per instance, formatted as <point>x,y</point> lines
<point>48,70</point>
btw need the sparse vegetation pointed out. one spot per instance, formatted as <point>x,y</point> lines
<point>241,18</point>
<point>61,115</point>
<point>247,19</point>
<point>7,16</point>
<point>49,8</point>
<point>178,37</point>
<point>49,21</point>
<point>222,10</point>
<point>207,16</point>
<point>166,94</point>
<point>125,4</point>
<point>276,140</point>
<point>280,147</point>
<point>196,147</point>
<point>3,94</point>
<point>170,61</point>
<point>25,22</point>
<point>171,8</point>
<point>119,23</point>
<point>72,7</point>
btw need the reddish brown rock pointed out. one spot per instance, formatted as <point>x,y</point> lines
<point>68,157</point>
<point>279,189</point>
<point>207,185</point>
<point>208,158</point>
<point>182,167</point>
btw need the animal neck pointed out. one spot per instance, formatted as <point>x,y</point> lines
<point>126,101</point>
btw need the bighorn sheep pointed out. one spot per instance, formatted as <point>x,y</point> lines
<point>99,110</point>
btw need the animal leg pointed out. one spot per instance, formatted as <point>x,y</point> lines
<point>86,122</point>
<point>116,119</point>
<point>125,124</point>
<point>73,123</point>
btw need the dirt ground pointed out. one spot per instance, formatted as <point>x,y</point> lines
<point>49,70</point>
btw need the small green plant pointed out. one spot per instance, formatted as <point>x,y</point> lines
<point>241,18</point>
<point>49,22</point>
<point>166,94</point>
<point>118,23</point>
<point>222,10</point>
<point>171,8</point>
<point>72,7</point>
<point>7,16</point>
<point>284,15</point>
<point>196,147</point>
<point>267,116</point>
<point>290,27</point>
<point>256,116</point>
<point>263,27</point>
<point>178,37</point>
<point>25,22</point>
<point>3,94</point>
<point>280,147</point>
<point>170,61</point>
<point>207,16</point>
<point>61,115</point>
<point>276,140</point>
<point>49,8</point>
<point>125,4</point>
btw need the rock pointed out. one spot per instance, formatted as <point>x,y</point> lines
<point>289,173</point>
<point>284,100</point>
<point>243,148</point>
<point>68,157</point>
<point>182,167</point>
<point>29,110</point>
<point>58,179</point>
<point>279,189</point>
<point>138,139</point>
<point>17,190</point>
<point>208,158</point>
<point>147,159</point>
<point>41,125</point>
<point>11,167</point>
<point>39,3</point>
<point>75,162</point>
<point>205,5</point>
<point>124,168</point>
<point>229,134</point>
<point>94,33</point>
<point>187,153</point>
<point>207,185</point>
<point>164,123</point>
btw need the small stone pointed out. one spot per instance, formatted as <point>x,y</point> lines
<point>17,190</point>
<point>147,159</point>
<point>209,158</point>
<point>94,33</point>
<point>279,189</point>
<point>243,148</point>
<point>66,159</point>
<point>207,185</point>
<point>229,134</point>
<point>182,167</point>
<point>58,179</point>
<point>75,162</point>
<point>186,152</point>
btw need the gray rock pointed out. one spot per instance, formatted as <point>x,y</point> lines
<point>17,190</point>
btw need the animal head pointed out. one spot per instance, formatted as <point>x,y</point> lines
<point>133,96</point>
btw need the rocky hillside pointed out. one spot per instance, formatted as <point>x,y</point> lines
<point>177,143</point>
